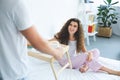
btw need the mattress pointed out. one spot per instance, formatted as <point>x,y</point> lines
<point>40,70</point>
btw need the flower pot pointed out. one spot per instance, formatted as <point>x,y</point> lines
<point>104,31</point>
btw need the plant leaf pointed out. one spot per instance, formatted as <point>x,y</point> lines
<point>109,23</point>
<point>115,3</point>
<point>109,1</point>
<point>105,2</point>
<point>99,17</point>
<point>114,22</point>
<point>106,14</point>
<point>112,9</point>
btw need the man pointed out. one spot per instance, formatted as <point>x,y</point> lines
<point>15,26</point>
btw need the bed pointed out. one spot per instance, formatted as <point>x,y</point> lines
<point>41,70</point>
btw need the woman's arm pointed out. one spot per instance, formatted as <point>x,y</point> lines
<point>53,39</point>
<point>84,49</point>
<point>90,56</point>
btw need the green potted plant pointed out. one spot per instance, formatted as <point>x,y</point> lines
<point>106,16</point>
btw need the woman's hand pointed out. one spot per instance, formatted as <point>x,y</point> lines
<point>90,56</point>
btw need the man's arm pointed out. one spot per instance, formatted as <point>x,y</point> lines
<point>41,44</point>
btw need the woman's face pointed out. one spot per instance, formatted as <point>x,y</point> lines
<point>72,28</point>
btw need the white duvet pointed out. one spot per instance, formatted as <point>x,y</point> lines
<point>40,70</point>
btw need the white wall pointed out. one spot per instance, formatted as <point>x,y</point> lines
<point>50,15</point>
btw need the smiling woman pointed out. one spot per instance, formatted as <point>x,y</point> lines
<point>71,34</point>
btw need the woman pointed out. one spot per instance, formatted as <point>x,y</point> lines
<point>72,34</point>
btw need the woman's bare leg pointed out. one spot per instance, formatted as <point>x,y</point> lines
<point>110,71</point>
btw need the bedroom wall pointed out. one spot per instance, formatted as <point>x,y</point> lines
<point>50,15</point>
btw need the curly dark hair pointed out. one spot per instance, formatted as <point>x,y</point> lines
<point>63,35</point>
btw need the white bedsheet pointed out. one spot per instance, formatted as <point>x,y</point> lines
<point>40,70</point>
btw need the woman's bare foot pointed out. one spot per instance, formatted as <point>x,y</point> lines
<point>83,69</point>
